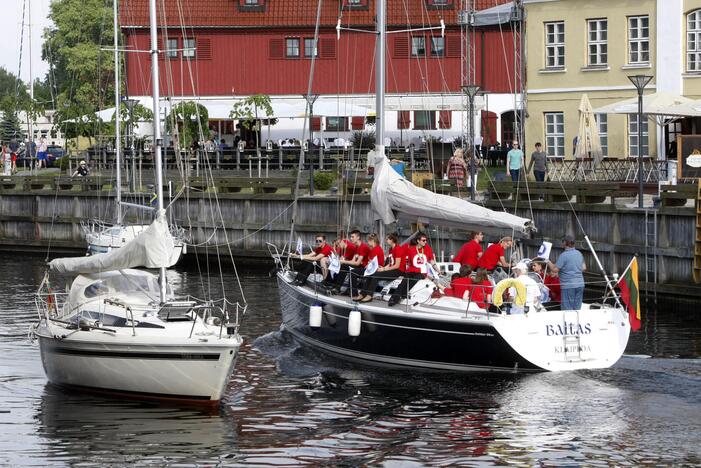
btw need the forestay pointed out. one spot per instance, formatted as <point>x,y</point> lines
<point>152,248</point>
<point>394,197</point>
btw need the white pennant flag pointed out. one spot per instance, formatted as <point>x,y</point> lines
<point>544,250</point>
<point>431,272</point>
<point>334,264</point>
<point>371,267</point>
<point>300,246</point>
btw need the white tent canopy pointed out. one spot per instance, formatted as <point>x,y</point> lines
<point>687,109</point>
<point>394,197</point>
<point>658,103</point>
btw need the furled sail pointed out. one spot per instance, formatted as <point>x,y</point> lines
<point>394,197</point>
<point>151,249</point>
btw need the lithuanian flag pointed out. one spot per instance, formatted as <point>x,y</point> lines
<point>630,293</point>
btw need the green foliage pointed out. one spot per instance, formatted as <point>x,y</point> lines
<point>139,114</point>
<point>363,139</point>
<point>188,118</point>
<point>324,180</point>
<point>62,162</point>
<point>251,108</point>
<point>9,124</point>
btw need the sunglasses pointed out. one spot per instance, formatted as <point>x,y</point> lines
<point>319,241</point>
<point>422,240</point>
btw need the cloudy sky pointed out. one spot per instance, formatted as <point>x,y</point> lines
<point>12,35</point>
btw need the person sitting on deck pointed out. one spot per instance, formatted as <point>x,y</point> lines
<point>532,290</point>
<point>480,291</point>
<point>394,267</point>
<point>312,260</point>
<point>495,255</point>
<point>376,258</point>
<point>356,265</point>
<point>460,282</point>
<point>419,259</point>
<point>471,251</point>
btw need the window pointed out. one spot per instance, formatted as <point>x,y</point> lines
<point>555,134</point>
<point>439,4</point>
<point>638,39</point>
<point>445,119</point>
<point>603,124</point>
<point>354,5</point>
<point>251,2</point>
<point>437,46</point>
<point>189,48</point>
<point>171,48</point>
<point>633,135</point>
<point>424,120</point>
<point>598,42</point>
<point>310,47</point>
<point>693,41</point>
<point>336,124</point>
<point>292,47</point>
<point>418,46</point>
<point>403,119</point>
<point>555,45</point>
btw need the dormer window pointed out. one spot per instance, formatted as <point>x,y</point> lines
<point>354,4</point>
<point>440,4</point>
<point>251,5</point>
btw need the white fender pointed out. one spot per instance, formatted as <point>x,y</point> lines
<point>354,322</point>
<point>315,313</point>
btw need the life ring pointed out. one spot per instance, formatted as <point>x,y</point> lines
<point>505,284</point>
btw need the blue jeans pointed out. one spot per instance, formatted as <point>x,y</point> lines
<point>539,176</point>
<point>572,298</point>
<point>514,174</point>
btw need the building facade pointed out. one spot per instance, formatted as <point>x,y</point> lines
<point>577,47</point>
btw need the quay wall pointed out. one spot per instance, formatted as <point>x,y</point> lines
<point>47,219</point>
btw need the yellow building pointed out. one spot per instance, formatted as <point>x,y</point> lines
<point>575,47</point>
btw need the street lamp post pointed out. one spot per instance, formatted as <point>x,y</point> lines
<point>640,81</point>
<point>471,91</point>
<point>131,103</point>
<point>311,99</point>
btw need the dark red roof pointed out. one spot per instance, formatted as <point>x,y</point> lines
<point>288,13</point>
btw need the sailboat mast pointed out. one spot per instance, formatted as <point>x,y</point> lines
<point>380,46</point>
<point>30,114</point>
<point>157,140</point>
<point>117,115</point>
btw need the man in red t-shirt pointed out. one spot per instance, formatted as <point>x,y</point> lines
<point>471,251</point>
<point>494,256</point>
<point>394,268</point>
<point>355,265</point>
<point>312,261</point>
<point>419,256</point>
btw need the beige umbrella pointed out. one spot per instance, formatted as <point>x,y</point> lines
<point>658,103</point>
<point>588,141</point>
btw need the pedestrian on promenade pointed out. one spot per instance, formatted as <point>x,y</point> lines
<point>539,163</point>
<point>514,161</point>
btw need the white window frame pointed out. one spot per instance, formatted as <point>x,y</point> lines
<point>597,39</point>
<point>555,44</point>
<point>418,44</point>
<point>638,40</point>
<point>437,46</point>
<point>189,48</point>
<point>554,134</point>
<point>602,123</point>
<point>693,41</point>
<point>292,50</point>
<point>633,136</point>
<point>309,44</point>
<point>172,48</point>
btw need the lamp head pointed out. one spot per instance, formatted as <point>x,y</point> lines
<point>640,81</point>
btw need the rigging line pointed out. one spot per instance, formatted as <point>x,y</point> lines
<point>503,49</point>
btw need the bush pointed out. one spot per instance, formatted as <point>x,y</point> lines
<point>324,180</point>
<point>363,139</point>
<point>62,163</point>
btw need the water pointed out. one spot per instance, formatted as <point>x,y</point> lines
<point>289,405</point>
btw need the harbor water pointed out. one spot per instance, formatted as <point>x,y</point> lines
<point>290,405</point>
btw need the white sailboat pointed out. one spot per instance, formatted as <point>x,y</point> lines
<point>444,333</point>
<point>104,237</point>
<point>122,330</point>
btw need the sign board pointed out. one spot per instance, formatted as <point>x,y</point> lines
<point>689,156</point>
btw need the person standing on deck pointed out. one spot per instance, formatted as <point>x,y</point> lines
<point>495,255</point>
<point>570,267</point>
<point>471,251</point>
<point>514,161</point>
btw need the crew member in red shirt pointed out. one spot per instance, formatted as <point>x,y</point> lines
<point>376,253</point>
<point>471,251</point>
<point>480,292</point>
<point>460,282</point>
<point>419,256</point>
<point>394,268</point>
<point>494,256</point>
<point>356,265</point>
<point>312,260</point>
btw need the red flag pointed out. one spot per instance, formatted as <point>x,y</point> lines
<point>630,293</point>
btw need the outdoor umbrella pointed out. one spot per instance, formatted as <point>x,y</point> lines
<point>588,141</point>
<point>658,103</point>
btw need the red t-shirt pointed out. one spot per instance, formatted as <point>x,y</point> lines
<point>468,254</point>
<point>364,250</point>
<point>349,252</point>
<point>417,259</point>
<point>398,252</point>
<point>490,257</point>
<point>553,284</point>
<point>326,250</point>
<point>378,253</point>
<point>479,293</point>
<point>458,286</point>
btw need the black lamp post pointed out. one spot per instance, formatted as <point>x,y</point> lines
<point>471,91</point>
<point>640,81</point>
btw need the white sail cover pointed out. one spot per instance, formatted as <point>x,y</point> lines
<point>395,197</point>
<point>151,249</point>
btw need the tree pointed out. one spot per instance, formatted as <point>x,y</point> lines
<point>247,111</point>
<point>187,121</point>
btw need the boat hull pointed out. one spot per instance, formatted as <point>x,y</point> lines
<point>184,370</point>
<point>400,340</point>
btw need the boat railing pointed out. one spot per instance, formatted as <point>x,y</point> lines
<point>49,303</point>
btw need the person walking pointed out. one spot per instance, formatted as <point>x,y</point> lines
<point>539,163</point>
<point>570,267</point>
<point>514,161</point>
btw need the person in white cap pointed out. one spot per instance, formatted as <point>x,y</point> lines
<point>82,170</point>
<point>532,289</point>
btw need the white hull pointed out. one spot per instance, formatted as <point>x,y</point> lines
<point>182,369</point>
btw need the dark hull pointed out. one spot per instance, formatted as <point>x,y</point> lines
<point>400,340</point>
